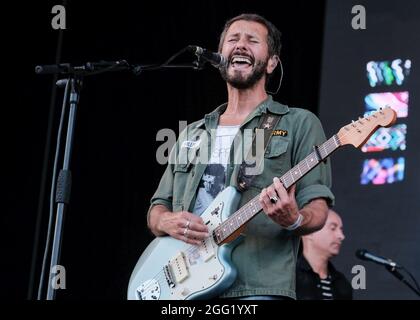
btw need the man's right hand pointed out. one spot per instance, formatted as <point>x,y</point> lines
<point>182,225</point>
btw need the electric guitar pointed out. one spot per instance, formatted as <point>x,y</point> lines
<point>170,269</point>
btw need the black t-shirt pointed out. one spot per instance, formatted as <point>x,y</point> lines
<point>309,286</point>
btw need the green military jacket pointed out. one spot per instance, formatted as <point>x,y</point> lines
<point>266,258</point>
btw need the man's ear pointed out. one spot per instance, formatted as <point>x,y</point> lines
<point>272,63</point>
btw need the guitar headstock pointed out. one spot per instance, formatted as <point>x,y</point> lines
<point>359,131</point>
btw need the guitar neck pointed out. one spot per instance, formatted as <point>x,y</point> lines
<point>253,207</point>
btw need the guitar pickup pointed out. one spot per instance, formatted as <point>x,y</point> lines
<point>207,250</point>
<point>179,267</point>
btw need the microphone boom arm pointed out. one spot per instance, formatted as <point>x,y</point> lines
<point>400,277</point>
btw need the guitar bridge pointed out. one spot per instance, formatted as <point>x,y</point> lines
<point>168,277</point>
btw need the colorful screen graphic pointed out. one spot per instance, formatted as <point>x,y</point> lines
<point>388,72</point>
<point>396,100</point>
<point>392,138</point>
<point>376,187</point>
<point>382,171</point>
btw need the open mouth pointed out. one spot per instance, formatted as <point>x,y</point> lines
<point>241,62</point>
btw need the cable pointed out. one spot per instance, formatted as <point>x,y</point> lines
<point>412,277</point>
<point>281,79</point>
<point>166,63</point>
<point>50,218</point>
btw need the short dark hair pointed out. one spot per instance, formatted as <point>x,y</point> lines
<point>273,35</point>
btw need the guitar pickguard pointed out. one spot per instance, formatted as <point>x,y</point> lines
<point>173,269</point>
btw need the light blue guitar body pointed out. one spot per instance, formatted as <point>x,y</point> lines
<point>170,269</point>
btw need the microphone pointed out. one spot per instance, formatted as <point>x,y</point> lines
<point>363,254</point>
<point>216,59</point>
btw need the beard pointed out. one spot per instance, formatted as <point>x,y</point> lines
<point>239,81</point>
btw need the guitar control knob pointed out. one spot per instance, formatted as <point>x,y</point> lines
<point>185,291</point>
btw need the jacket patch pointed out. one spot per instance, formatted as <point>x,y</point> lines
<point>191,144</point>
<point>282,133</point>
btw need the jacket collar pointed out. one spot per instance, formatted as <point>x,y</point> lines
<point>304,265</point>
<point>211,119</point>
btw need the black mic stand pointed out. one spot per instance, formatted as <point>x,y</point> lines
<point>75,80</point>
<point>400,277</point>
<point>62,197</point>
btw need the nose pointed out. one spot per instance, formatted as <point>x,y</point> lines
<point>241,44</point>
<point>341,235</point>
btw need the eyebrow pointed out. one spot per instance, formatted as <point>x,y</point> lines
<point>248,35</point>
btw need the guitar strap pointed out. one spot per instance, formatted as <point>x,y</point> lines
<point>267,124</point>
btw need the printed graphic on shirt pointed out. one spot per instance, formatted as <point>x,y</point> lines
<point>214,177</point>
<point>211,184</point>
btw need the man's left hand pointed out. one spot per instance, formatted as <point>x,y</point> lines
<point>279,204</point>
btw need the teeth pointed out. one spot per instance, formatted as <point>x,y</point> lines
<point>241,59</point>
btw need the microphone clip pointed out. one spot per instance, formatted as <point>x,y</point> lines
<point>203,55</point>
<point>198,63</point>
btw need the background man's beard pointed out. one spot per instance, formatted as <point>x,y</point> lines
<point>239,81</point>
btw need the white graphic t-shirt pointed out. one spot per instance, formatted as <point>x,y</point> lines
<point>213,180</point>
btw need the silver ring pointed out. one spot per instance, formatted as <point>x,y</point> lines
<point>187,224</point>
<point>274,199</point>
<point>185,232</point>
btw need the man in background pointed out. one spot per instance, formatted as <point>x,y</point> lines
<point>316,277</point>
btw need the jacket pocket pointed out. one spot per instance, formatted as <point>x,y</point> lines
<point>182,180</point>
<point>276,162</point>
<point>276,148</point>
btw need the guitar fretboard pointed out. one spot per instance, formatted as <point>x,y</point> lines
<point>253,207</point>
